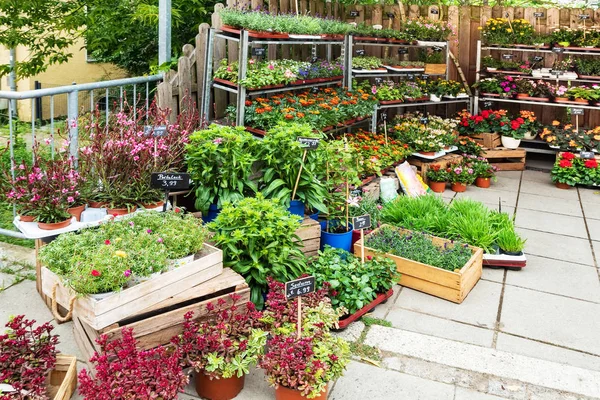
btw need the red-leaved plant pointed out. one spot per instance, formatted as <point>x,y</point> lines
<point>124,372</point>
<point>226,343</point>
<point>27,355</point>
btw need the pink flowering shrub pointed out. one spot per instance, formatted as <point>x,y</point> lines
<point>27,355</point>
<point>124,372</point>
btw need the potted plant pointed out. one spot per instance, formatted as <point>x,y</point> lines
<point>437,177</point>
<point>565,174</point>
<point>362,205</point>
<point>248,231</point>
<point>484,171</point>
<point>513,132</point>
<point>220,160</point>
<point>367,64</point>
<point>460,176</point>
<point>530,124</point>
<point>222,348</point>
<point>523,88</point>
<point>429,32</point>
<point>583,94</point>
<point>123,371</point>
<point>489,87</point>
<point>560,94</point>
<point>590,172</point>
<point>510,243</point>
<point>564,36</point>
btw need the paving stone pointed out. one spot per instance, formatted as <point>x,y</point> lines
<point>468,394</point>
<point>531,348</point>
<point>558,247</point>
<point>489,196</point>
<point>591,210</point>
<point>553,223</point>
<point>511,390</point>
<point>493,274</point>
<point>508,175</point>
<point>358,383</point>
<point>67,344</point>
<point>594,227</point>
<point>549,205</point>
<point>18,253</point>
<point>536,176</point>
<point>548,189</point>
<point>480,308</point>
<point>23,299</point>
<point>486,360</point>
<point>352,332</point>
<point>589,195</point>
<point>596,245</point>
<point>552,319</point>
<point>440,327</point>
<point>505,184</point>
<point>559,277</point>
<point>382,310</point>
<point>6,280</point>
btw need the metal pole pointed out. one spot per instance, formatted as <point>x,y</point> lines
<point>73,125</point>
<point>164,31</point>
<point>12,79</point>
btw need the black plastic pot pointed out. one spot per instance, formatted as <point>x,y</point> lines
<point>511,253</point>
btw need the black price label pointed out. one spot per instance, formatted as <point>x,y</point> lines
<point>314,90</point>
<point>508,56</point>
<point>155,131</point>
<point>576,111</point>
<point>354,14</point>
<point>424,120</point>
<point>259,51</point>
<point>309,143</point>
<point>425,76</point>
<point>384,116</point>
<point>537,58</point>
<point>538,14</point>
<point>584,16</point>
<point>362,222</point>
<point>360,52</point>
<point>391,15</point>
<point>299,287</point>
<point>378,81</point>
<point>487,104</point>
<point>506,14</point>
<point>587,155</point>
<point>437,48</point>
<point>434,11</point>
<point>356,192</point>
<point>170,180</point>
<point>558,50</point>
<point>313,60</point>
<point>402,50</point>
<point>410,77</point>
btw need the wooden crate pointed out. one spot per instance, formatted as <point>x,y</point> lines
<point>424,165</point>
<point>488,140</point>
<point>310,235</point>
<point>449,285</point>
<point>63,378</point>
<point>161,322</point>
<point>134,300</point>
<point>506,159</point>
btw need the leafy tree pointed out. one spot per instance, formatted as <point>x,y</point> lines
<point>46,28</point>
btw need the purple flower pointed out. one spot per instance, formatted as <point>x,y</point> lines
<point>149,231</point>
<point>507,89</point>
<point>127,273</point>
<point>159,240</point>
<point>470,171</point>
<point>131,223</point>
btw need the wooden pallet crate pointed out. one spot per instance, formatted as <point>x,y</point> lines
<point>423,165</point>
<point>449,285</point>
<point>310,235</point>
<point>63,378</point>
<point>132,301</point>
<point>488,140</point>
<point>506,159</point>
<point>161,322</point>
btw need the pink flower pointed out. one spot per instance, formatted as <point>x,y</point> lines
<point>148,230</point>
<point>127,273</point>
<point>70,199</point>
<point>159,240</point>
<point>218,141</point>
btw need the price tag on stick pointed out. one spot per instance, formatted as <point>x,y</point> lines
<point>391,15</point>
<point>363,222</point>
<point>577,112</point>
<point>434,11</point>
<point>169,181</point>
<point>586,155</point>
<point>155,131</point>
<point>258,51</point>
<point>354,14</point>
<point>402,50</point>
<point>538,14</point>
<point>360,52</point>
<point>298,288</point>
<point>308,144</point>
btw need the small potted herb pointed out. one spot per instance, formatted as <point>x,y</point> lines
<point>510,243</point>
<point>437,178</point>
<point>460,175</point>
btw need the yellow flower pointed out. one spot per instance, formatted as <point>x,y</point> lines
<point>509,30</point>
<point>117,240</point>
<point>120,253</point>
<point>479,28</point>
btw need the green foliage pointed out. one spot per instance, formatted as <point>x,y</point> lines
<point>509,240</point>
<point>258,240</point>
<point>355,284</point>
<point>364,62</point>
<point>369,321</point>
<point>367,205</point>
<point>424,213</point>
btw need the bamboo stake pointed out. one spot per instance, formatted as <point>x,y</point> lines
<point>299,174</point>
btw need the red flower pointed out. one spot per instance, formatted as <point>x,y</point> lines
<point>591,163</point>
<point>485,114</point>
<point>568,155</point>
<point>96,272</point>
<point>514,125</point>
<point>478,119</point>
<point>565,164</point>
<point>107,242</point>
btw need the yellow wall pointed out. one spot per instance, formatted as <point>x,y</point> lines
<point>77,70</point>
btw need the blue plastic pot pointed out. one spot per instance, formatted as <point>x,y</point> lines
<point>297,208</point>
<point>213,211</point>
<point>314,216</point>
<point>337,240</point>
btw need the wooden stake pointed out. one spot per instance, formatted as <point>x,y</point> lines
<point>299,317</point>
<point>385,131</point>
<point>577,123</point>
<point>299,173</point>
<point>362,245</point>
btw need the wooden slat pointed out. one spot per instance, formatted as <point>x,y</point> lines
<point>184,69</point>
<point>63,378</point>
<point>220,96</point>
<point>200,48</point>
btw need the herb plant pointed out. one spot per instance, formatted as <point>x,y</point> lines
<point>509,240</point>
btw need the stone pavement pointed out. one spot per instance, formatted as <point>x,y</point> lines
<point>523,335</point>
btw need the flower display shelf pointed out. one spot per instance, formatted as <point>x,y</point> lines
<point>381,297</point>
<point>504,261</point>
<point>402,69</point>
<point>63,378</point>
<point>437,155</point>
<point>160,322</point>
<point>163,290</point>
<point>424,165</point>
<point>506,159</point>
<point>255,34</point>
<point>292,85</point>
<point>488,140</point>
<point>448,285</point>
<point>589,77</point>
<point>498,71</point>
<point>370,71</point>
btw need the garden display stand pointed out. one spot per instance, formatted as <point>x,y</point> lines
<point>63,378</point>
<point>506,159</point>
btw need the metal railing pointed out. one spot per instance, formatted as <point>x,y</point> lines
<point>98,94</point>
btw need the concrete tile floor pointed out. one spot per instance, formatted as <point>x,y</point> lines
<point>548,311</point>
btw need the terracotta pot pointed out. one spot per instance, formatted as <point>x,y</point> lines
<point>76,211</point>
<point>54,225</point>
<point>522,95</point>
<point>483,182</point>
<point>120,211</point>
<point>98,204</point>
<point>561,99</point>
<point>153,205</point>
<point>427,153</point>
<point>459,187</point>
<point>581,101</point>
<point>561,185</point>
<point>283,393</point>
<point>438,187</point>
<point>218,389</point>
<point>26,218</point>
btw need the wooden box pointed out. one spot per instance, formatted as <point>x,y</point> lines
<point>488,140</point>
<point>449,285</point>
<point>506,159</point>
<point>63,378</point>
<point>161,322</point>
<point>129,302</point>
<point>424,165</point>
<point>310,235</point>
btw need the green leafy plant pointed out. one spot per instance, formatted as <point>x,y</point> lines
<point>565,169</point>
<point>510,241</point>
<point>436,173</point>
<point>365,62</point>
<point>423,213</point>
<point>470,221</point>
<point>460,173</point>
<point>362,205</point>
<point>429,30</point>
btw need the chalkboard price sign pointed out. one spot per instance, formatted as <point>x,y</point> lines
<point>259,51</point>
<point>169,181</point>
<point>576,111</point>
<point>155,131</point>
<point>384,116</point>
<point>538,14</point>
<point>402,50</point>
<point>362,222</point>
<point>537,58</point>
<point>437,48</point>
<point>299,287</point>
<point>410,77</point>
<point>391,15</point>
<point>309,143</point>
<point>360,52</point>
<point>313,60</point>
<point>435,11</point>
<point>425,76</point>
<point>586,154</point>
<point>558,50</point>
<point>314,90</point>
<point>487,104</point>
<point>508,56</point>
<point>378,81</point>
<point>584,16</point>
<point>424,120</point>
<point>354,14</point>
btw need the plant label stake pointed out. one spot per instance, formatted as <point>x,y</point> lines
<point>434,11</point>
<point>586,155</point>
<point>258,51</point>
<point>577,112</point>
<point>508,56</point>
<point>360,52</point>
<point>402,50</point>
<point>363,222</point>
<point>538,23</point>
<point>391,15</point>
<point>384,118</point>
<point>354,14</point>
<point>298,288</point>
<point>168,181</point>
<point>308,144</point>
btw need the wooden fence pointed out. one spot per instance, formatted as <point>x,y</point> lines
<point>466,20</point>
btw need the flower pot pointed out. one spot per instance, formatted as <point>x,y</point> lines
<point>511,253</point>
<point>101,296</point>
<point>151,206</point>
<point>459,187</point>
<point>218,389</point>
<point>522,95</point>
<point>581,101</point>
<point>225,82</point>
<point>120,211</point>
<point>561,99</point>
<point>530,135</point>
<point>213,211</point>
<point>483,182</point>
<point>561,185</point>
<point>283,393</point>
<point>76,211</point>
<point>380,299</point>
<point>336,240</point>
<point>510,143</point>
<point>54,225</point>
<point>26,218</point>
<point>438,187</point>
<point>297,208</point>
<point>181,261</point>
<point>98,204</point>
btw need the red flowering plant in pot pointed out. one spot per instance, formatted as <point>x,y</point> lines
<point>222,347</point>
<point>302,366</point>
<point>566,171</point>
<point>437,178</point>
<point>590,173</point>
<point>124,372</point>
<point>27,356</point>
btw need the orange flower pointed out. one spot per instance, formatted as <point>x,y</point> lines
<point>300,115</point>
<point>555,123</point>
<point>288,116</point>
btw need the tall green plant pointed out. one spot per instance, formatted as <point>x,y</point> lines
<point>424,213</point>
